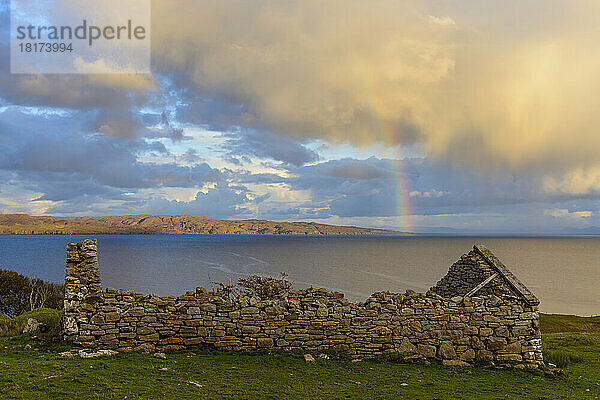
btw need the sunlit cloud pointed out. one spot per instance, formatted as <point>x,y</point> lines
<point>563,212</point>
<point>444,21</point>
<point>578,181</point>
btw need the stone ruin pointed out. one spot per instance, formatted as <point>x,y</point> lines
<point>478,313</point>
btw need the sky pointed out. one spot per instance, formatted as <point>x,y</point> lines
<point>423,116</point>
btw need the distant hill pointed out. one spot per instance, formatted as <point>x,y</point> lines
<point>23,224</point>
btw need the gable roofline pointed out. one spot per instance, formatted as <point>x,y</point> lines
<point>515,283</point>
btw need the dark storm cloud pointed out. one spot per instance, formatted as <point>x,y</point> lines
<point>260,178</point>
<point>223,201</point>
<point>163,128</point>
<point>70,187</point>
<point>345,176</point>
<point>190,156</point>
<point>53,148</point>
<point>378,187</point>
<point>216,115</point>
<point>354,169</point>
<point>267,145</point>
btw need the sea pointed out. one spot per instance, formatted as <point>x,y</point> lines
<point>563,272</point>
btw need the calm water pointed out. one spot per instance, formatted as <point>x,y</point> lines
<point>563,272</point>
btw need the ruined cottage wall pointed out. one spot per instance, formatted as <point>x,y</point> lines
<point>468,272</point>
<point>486,328</point>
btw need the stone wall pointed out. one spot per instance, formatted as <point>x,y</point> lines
<point>467,273</point>
<point>493,327</point>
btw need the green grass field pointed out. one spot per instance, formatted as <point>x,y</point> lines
<point>556,323</point>
<point>34,371</point>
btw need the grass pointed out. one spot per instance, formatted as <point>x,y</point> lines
<point>38,371</point>
<point>14,326</point>
<point>562,358</point>
<point>568,337</point>
<point>555,323</point>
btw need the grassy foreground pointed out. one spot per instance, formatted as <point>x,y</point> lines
<point>31,370</point>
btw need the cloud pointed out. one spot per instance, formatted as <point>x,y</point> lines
<point>494,93</point>
<point>56,149</point>
<point>268,145</point>
<point>578,181</point>
<point>119,123</point>
<point>303,69</point>
<point>80,91</point>
<point>355,169</point>
<point>564,212</point>
<point>430,193</point>
<point>114,98</point>
<point>214,114</point>
<point>223,201</point>
<point>498,93</point>
<point>444,21</point>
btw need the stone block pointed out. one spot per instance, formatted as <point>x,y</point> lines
<point>485,331</point>
<point>468,355</point>
<point>455,363</point>
<point>514,347</point>
<point>208,307</point>
<point>264,342</point>
<point>407,347</point>
<point>501,331</point>
<point>426,350</point>
<point>484,355</point>
<point>145,331</point>
<point>496,343</point>
<point>509,357</point>
<point>446,350</point>
<point>250,329</point>
<point>471,330</point>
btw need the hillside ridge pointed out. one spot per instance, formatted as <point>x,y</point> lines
<point>16,224</point>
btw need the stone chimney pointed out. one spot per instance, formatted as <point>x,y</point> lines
<point>83,286</point>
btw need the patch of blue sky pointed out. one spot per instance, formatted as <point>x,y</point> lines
<point>329,151</point>
<point>31,12</point>
<point>207,144</point>
<point>45,111</point>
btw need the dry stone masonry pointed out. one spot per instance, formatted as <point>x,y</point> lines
<point>499,323</point>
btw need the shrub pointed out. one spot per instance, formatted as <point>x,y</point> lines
<point>227,290</point>
<point>14,326</point>
<point>19,293</point>
<point>265,287</point>
<point>46,294</point>
<point>14,293</point>
<point>262,287</point>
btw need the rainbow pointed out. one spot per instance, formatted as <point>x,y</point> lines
<point>386,135</point>
<point>402,196</point>
<point>401,186</point>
